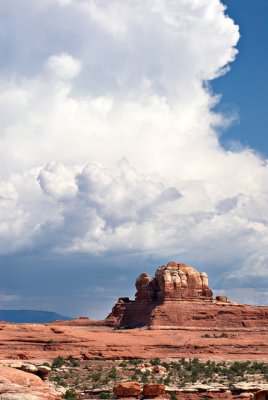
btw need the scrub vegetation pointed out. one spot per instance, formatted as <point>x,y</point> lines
<point>98,377</point>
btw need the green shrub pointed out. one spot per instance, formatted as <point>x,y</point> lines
<point>165,365</point>
<point>156,361</point>
<point>135,361</point>
<point>58,362</point>
<point>123,364</point>
<point>46,364</point>
<point>113,373</point>
<point>59,381</point>
<point>96,376</point>
<point>134,377</point>
<point>107,395</point>
<point>73,361</point>
<point>70,394</point>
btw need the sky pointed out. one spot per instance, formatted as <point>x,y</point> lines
<point>131,134</point>
<point>245,89</point>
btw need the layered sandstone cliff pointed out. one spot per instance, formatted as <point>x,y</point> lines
<point>179,296</point>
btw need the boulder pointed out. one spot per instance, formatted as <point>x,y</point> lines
<point>153,389</point>
<point>20,377</point>
<point>261,395</point>
<point>224,299</point>
<point>43,371</point>
<point>32,369</point>
<point>20,385</point>
<point>127,389</point>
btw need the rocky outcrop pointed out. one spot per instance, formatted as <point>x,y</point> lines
<point>21,385</point>
<point>173,281</point>
<point>179,296</point>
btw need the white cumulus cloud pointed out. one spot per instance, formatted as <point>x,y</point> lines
<point>63,65</point>
<point>125,158</point>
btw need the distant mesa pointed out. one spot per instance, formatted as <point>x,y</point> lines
<point>31,316</point>
<point>179,296</point>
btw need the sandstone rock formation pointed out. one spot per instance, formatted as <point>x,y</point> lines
<point>179,296</point>
<point>21,385</point>
<point>173,281</point>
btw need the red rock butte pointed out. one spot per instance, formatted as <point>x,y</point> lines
<point>173,281</point>
<point>179,296</point>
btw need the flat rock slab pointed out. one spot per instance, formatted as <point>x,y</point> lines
<point>38,342</point>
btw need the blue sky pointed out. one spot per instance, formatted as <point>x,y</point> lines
<point>245,88</point>
<point>126,143</point>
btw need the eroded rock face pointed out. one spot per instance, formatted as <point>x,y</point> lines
<point>173,281</point>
